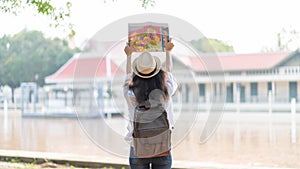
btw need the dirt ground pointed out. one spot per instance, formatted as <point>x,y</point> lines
<point>49,165</point>
<point>17,165</point>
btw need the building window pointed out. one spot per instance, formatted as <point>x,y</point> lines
<point>201,89</point>
<point>269,86</point>
<point>293,90</point>
<point>229,93</point>
<point>253,89</point>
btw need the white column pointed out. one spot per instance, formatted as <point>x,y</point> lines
<point>238,93</point>
<point>273,90</point>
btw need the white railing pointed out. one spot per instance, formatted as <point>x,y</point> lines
<point>253,99</point>
<point>288,70</point>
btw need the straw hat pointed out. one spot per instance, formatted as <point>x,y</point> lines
<point>146,65</point>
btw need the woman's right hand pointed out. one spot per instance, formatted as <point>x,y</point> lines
<point>128,49</point>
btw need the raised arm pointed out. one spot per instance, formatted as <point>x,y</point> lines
<point>168,47</point>
<point>128,50</point>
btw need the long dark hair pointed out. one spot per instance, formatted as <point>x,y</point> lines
<point>142,87</point>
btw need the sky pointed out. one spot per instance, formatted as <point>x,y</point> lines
<point>247,25</point>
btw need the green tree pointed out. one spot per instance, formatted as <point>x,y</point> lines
<point>146,3</point>
<point>28,55</point>
<point>207,45</point>
<point>288,39</point>
<point>59,14</point>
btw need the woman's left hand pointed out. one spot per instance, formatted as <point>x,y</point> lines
<point>128,49</point>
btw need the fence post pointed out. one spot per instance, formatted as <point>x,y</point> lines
<point>270,101</point>
<point>5,123</point>
<point>238,101</point>
<point>293,106</point>
<point>207,102</point>
<point>5,107</point>
<point>293,121</point>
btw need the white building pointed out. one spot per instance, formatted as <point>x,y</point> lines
<point>82,86</point>
<point>247,82</point>
<point>253,81</point>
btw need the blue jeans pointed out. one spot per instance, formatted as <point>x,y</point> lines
<point>163,162</point>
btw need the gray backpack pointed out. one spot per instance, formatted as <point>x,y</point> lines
<point>151,133</point>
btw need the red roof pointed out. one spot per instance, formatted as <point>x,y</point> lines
<point>91,67</point>
<point>95,67</point>
<point>234,62</point>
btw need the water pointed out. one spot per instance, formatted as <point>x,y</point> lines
<point>251,139</point>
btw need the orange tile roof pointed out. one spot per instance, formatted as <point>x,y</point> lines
<point>92,67</point>
<point>95,67</point>
<point>234,62</point>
